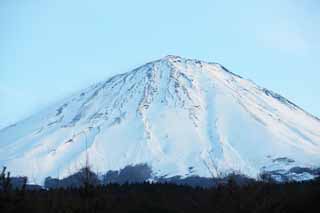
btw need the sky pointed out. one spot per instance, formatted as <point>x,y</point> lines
<point>52,48</point>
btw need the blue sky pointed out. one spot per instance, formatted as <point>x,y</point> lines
<point>49,49</point>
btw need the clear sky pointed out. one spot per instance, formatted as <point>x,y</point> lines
<point>51,48</point>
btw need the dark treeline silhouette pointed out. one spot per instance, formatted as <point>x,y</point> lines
<point>167,197</point>
<point>139,174</point>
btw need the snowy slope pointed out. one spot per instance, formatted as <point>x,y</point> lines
<point>180,116</point>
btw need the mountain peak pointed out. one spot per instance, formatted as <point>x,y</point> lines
<point>168,57</point>
<point>176,58</point>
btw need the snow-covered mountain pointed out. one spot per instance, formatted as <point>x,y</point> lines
<point>180,116</point>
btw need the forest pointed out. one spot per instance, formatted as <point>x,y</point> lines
<point>230,196</point>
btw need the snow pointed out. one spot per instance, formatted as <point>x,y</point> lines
<point>173,114</point>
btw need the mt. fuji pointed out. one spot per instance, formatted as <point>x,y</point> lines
<point>179,116</point>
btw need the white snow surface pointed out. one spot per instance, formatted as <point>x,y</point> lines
<point>180,116</point>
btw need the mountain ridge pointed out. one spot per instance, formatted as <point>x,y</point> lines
<point>167,57</point>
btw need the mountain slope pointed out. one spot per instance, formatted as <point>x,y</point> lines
<point>180,116</point>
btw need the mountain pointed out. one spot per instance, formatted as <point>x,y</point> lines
<point>182,117</point>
